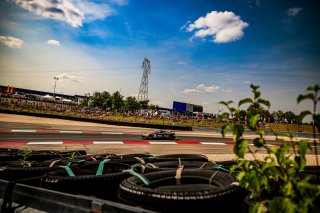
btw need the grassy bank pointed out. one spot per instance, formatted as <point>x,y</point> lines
<point>136,119</point>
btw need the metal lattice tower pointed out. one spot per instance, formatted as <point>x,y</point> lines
<point>143,91</point>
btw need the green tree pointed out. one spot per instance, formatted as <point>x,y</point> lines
<point>85,102</point>
<point>278,116</point>
<point>131,104</point>
<point>290,117</point>
<point>106,99</point>
<point>153,107</point>
<point>144,104</point>
<point>117,101</point>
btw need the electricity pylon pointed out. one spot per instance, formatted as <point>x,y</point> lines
<point>143,91</point>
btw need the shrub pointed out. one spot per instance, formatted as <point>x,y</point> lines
<point>275,184</point>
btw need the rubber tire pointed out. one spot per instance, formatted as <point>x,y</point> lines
<point>185,157</point>
<point>85,181</point>
<point>173,165</point>
<point>13,171</point>
<point>194,192</point>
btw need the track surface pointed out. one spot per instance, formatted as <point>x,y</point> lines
<point>25,131</point>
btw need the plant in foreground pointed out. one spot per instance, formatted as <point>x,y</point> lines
<point>276,184</point>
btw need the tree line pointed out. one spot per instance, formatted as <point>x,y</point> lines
<point>115,102</point>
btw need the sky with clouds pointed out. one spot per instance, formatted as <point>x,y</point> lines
<point>201,51</point>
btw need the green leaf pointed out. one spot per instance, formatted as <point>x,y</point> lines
<point>314,88</point>
<point>282,204</point>
<point>238,130</point>
<point>268,165</point>
<point>252,122</point>
<point>287,189</point>
<point>258,207</point>
<point>258,142</point>
<point>272,150</point>
<point>240,147</point>
<point>306,96</point>
<point>254,87</point>
<point>240,176</point>
<point>304,114</point>
<point>224,129</point>
<point>254,181</point>
<point>261,133</point>
<point>233,167</point>
<point>287,134</point>
<point>264,102</point>
<point>232,109</point>
<point>226,103</point>
<point>300,161</point>
<point>245,101</point>
<point>223,116</point>
<point>303,145</point>
<point>257,94</point>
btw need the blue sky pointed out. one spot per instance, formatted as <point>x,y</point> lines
<point>201,51</point>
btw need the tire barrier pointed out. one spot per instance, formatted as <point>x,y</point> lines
<point>175,157</point>
<point>16,154</point>
<point>173,165</point>
<point>86,181</point>
<point>27,172</point>
<point>183,191</point>
<point>164,183</point>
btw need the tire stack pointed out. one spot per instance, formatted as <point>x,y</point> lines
<point>165,183</point>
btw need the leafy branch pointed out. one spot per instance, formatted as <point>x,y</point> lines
<point>275,184</point>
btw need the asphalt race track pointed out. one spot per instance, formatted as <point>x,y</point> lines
<point>98,138</point>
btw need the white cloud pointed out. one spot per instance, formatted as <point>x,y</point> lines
<point>294,11</point>
<point>184,26</point>
<point>222,26</point>
<point>70,11</point>
<point>94,11</point>
<point>68,77</point>
<point>11,41</point>
<point>226,90</point>
<point>120,2</point>
<point>182,62</point>
<point>53,42</point>
<point>156,102</point>
<point>201,88</point>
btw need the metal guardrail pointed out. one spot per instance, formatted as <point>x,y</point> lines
<point>16,197</point>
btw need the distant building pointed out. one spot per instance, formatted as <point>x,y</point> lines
<point>23,91</point>
<point>186,107</point>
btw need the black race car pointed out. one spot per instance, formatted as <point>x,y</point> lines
<point>159,134</point>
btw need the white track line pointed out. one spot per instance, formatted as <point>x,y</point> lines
<point>71,132</point>
<point>162,142</point>
<point>21,130</point>
<point>213,143</point>
<point>45,143</point>
<point>107,142</point>
<point>112,133</point>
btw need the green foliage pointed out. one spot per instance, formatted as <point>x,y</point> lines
<point>240,148</point>
<point>117,101</point>
<point>244,101</point>
<point>131,104</point>
<point>278,175</point>
<point>23,161</point>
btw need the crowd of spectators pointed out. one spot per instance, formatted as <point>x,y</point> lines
<point>54,107</point>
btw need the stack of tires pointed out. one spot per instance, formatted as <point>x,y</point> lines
<point>28,167</point>
<point>165,183</point>
<point>182,183</point>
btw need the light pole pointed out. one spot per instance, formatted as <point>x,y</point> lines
<point>54,88</point>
